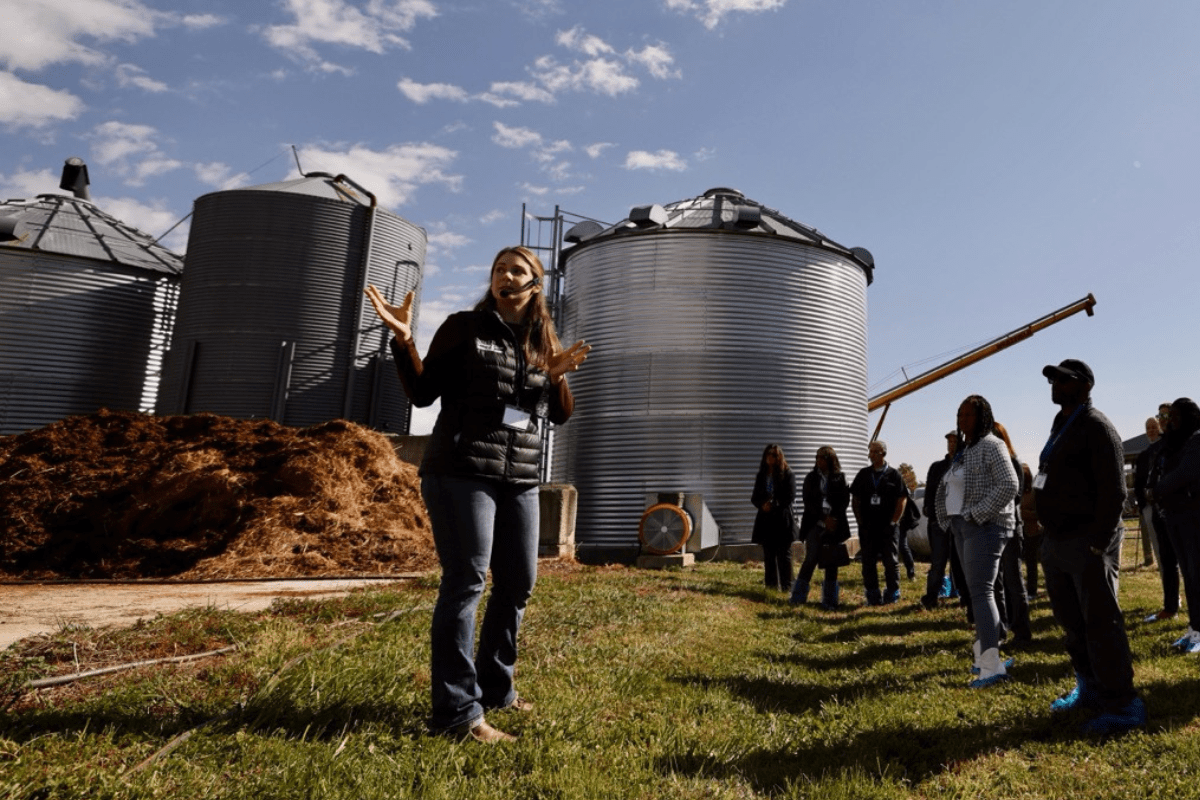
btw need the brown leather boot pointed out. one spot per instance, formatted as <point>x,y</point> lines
<point>480,731</point>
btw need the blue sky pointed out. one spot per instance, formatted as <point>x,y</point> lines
<point>1000,160</point>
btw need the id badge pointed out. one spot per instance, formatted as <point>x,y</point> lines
<point>516,418</point>
<point>875,500</point>
<point>1039,481</point>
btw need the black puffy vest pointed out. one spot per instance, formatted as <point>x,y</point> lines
<point>470,438</point>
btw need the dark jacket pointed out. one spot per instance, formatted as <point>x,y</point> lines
<point>1141,471</point>
<point>933,479</point>
<point>838,495</point>
<point>477,368</point>
<point>1178,487</point>
<point>1084,492</point>
<point>774,528</point>
<point>875,519</point>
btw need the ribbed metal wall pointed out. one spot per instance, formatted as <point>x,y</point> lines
<point>86,305</point>
<point>76,336</point>
<point>708,345</point>
<point>272,319</point>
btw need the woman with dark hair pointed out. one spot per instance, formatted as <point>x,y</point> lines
<point>774,493</point>
<point>1177,495</point>
<point>826,497</point>
<point>975,503</point>
<point>500,373</point>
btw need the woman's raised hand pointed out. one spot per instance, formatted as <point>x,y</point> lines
<point>568,360</point>
<point>397,318</point>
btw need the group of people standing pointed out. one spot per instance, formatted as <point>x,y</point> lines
<point>1167,492</point>
<point>974,503</point>
<point>500,373</point>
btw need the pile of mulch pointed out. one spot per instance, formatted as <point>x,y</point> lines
<point>123,495</point>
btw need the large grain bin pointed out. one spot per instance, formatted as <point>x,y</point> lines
<point>272,318</point>
<point>719,326</point>
<point>86,305</point>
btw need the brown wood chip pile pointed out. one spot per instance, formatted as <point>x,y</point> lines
<point>125,495</point>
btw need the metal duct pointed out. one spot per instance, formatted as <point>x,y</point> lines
<point>709,344</point>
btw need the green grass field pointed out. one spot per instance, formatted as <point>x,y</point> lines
<point>679,684</point>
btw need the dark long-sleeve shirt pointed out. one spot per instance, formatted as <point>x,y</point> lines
<point>1084,489</point>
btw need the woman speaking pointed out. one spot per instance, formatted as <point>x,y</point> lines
<point>500,373</point>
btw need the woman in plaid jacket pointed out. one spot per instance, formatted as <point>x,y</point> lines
<point>975,503</point>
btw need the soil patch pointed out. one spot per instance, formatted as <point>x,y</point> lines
<point>123,495</point>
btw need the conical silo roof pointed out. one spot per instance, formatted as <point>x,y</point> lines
<point>718,209</point>
<point>70,226</point>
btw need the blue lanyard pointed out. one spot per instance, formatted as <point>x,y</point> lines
<point>875,479</point>
<point>1049,448</point>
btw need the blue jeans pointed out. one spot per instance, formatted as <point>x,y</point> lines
<point>478,524</point>
<point>980,548</point>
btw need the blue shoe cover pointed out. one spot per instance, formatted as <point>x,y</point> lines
<point>983,683</point>
<point>1079,697</point>
<point>1112,722</point>
<point>1008,664</point>
<point>891,596</point>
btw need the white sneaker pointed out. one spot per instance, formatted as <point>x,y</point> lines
<point>1193,643</point>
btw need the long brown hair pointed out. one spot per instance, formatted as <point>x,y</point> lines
<point>781,465</point>
<point>541,340</point>
<point>999,430</point>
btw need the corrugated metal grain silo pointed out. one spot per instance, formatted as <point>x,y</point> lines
<point>719,326</point>
<point>86,306</point>
<point>272,318</point>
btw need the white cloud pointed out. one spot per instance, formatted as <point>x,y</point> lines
<point>30,105</point>
<point>201,21</point>
<point>597,149</point>
<point>598,75</point>
<point>522,90</point>
<point>132,75</point>
<point>656,59</point>
<point>376,27</point>
<point>536,191</point>
<point>586,43</point>
<point>153,219</point>
<point>447,240</point>
<point>493,216</point>
<point>662,160</point>
<point>711,12</point>
<point>37,33</point>
<point>26,185</point>
<point>130,151</point>
<point>393,174</point>
<point>421,93</point>
<point>515,138</point>
<point>220,176</point>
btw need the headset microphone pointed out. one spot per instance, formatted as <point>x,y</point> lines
<point>510,292</point>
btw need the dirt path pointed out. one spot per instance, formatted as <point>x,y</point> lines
<point>30,609</point>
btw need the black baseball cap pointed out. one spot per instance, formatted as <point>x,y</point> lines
<point>1071,368</point>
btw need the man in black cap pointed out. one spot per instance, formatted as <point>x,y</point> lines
<point>1079,492</point>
